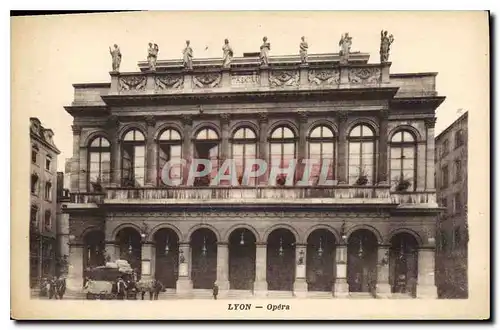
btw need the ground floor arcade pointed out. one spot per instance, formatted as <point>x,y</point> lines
<point>324,260</point>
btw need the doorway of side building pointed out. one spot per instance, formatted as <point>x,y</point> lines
<point>403,264</point>
<point>280,260</point>
<point>167,257</point>
<point>241,259</point>
<point>362,261</point>
<point>204,258</point>
<point>320,261</point>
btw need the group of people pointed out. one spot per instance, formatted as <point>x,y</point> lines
<point>128,288</point>
<point>53,288</point>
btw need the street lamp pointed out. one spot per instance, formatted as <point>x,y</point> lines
<point>280,250</point>
<point>320,249</point>
<point>204,247</point>
<point>242,240</point>
<point>167,249</point>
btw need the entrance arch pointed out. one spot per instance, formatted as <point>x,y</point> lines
<point>204,258</point>
<point>93,253</point>
<point>362,261</point>
<point>320,263</point>
<point>129,241</point>
<point>167,257</point>
<point>241,259</point>
<point>280,260</point>
<point>403,264</point>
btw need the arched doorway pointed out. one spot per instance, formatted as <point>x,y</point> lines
<point>241,259</point>
<point>362,261</point>
<point>320,260</point>
<point>280,260</point>
<point>93,249</point>
<point>204,258</point>
<point>403,264</point>
<point>167,257</point>
<point>129,241</point>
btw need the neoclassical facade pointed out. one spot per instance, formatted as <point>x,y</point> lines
<point>369,231</point>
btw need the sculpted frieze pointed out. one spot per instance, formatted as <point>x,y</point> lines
<point>284,78</point>
<point>324,77</point>
<point>245,80</point>
<point>132,83</point>
<point>169,82</point>
<point>171,216</point>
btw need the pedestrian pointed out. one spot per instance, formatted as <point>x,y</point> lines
<point>121,288</point>
<point>215,291</point>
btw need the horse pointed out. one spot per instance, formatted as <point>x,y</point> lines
<point>153,286</point>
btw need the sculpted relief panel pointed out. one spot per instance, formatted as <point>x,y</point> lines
<point>209,80</point>
<point>324,77</point>
<point>284,78</point>
<point>169,82</point>
<point>132,83</point>
<point>364,75</point>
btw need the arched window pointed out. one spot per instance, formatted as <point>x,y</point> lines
<point>169,150</point>
<point>282,147</point>
<point>206,146</point>
<point>47,223</point>
<point>361,155</point>
<point>48,191</point>
<point>34,183</point>
<point>244,149</point>
<point>99,170</point>
<point>133,158</point>
<point>403,151</point>
<point>321,142</point>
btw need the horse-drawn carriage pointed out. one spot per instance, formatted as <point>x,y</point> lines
<point>102,281</point>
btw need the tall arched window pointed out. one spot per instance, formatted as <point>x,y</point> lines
<point>321,142</point>
<point>169,150</point>
<point>133,158</point>
<point>99,163</point>
<point>361,155</point>
<point>282,149</point>
<point>206,146</point>
<point>244,149</point>
<point>403,151</point>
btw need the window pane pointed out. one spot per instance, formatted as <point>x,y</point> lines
<point>277,133</point>
<point>328,149</point>
<point>366,131</point>
<point>409,153</point>
<point>250,151</point>
<point>237,150</point>
<point>94,166</point>
<point>175,135</point>
<point>175,151</point>
<point>398,137</point>
<point>408,137</point>
<point>211,134</point>
<point>249,134</point>
<point>356,131</point>
<point>95,142</point>
<point>327,132</point>
<point>316,132</point>
<point>408,174</point>
<point>105,167</point>
<point>408,164</point>
<point>287,133</point>
<point>239,134</point>
<point>354,148</point>
<point>315,150</point>
<point>289,149</point>
<point>367,148</point>
<point>275,150</point>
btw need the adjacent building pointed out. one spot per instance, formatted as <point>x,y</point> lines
<point>43,208</point>
<point>451,184</point>
<point>369,231</point>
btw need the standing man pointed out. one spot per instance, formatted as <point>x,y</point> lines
<point>215,291</point>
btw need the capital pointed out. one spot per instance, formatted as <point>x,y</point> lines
<point>150,120</point>
<point>263,118</point>
<point>384,114</point>
<point>303,116</point>
<point>342,116</point>
<point>187,120</point>
<point>225,118</point>
<point>430,122</point>
<point>77,129</point>
<point>112,121</point>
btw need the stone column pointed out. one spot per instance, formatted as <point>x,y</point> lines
<point>382,156</point>
<point>184,284</point>
<point>223,267</point>
<point>187,145</point>
<point>260,285</point>
<point>263,145</point>
<point>426,286</point>
<point>302,148</point>
<point>383,288</point>
<point>75,267</point>
<point>150,175</point>
<point>225,151</point>
<point>113,126</point>
<point>75,160</point>
<point>341,288</point>
<point>300,284</point>
<point>112,250</point>
<point>342,148</point>
<point>83,171</point>
<point>429,124</point>
<point>147,253</point>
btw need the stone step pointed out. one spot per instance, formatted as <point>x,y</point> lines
<point>280,294</point>
<point>361,295</point>
<point>319,295</point>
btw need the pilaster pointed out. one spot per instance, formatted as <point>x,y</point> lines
<point>223,268</point>
<point>383,288</point>
<point>112,127</point>
<point>300,284</point>
<point>426,286</point>
<point>341,288</point>
<point>382,157</point>
<point>342,147</point>
<point>75,161</point>
<point>263,146</point>
<point>430,166</point>
<point>75,268</point>
<point>147,253</point>
<point>184,284</point>
<point>260,286</point>
<point>150,175</point>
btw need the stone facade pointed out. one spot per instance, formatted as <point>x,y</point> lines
<point>43,197</point>
<point>451,184</point>
<point>344,238</point>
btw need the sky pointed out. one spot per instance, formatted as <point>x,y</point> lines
<point>50,53</point>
